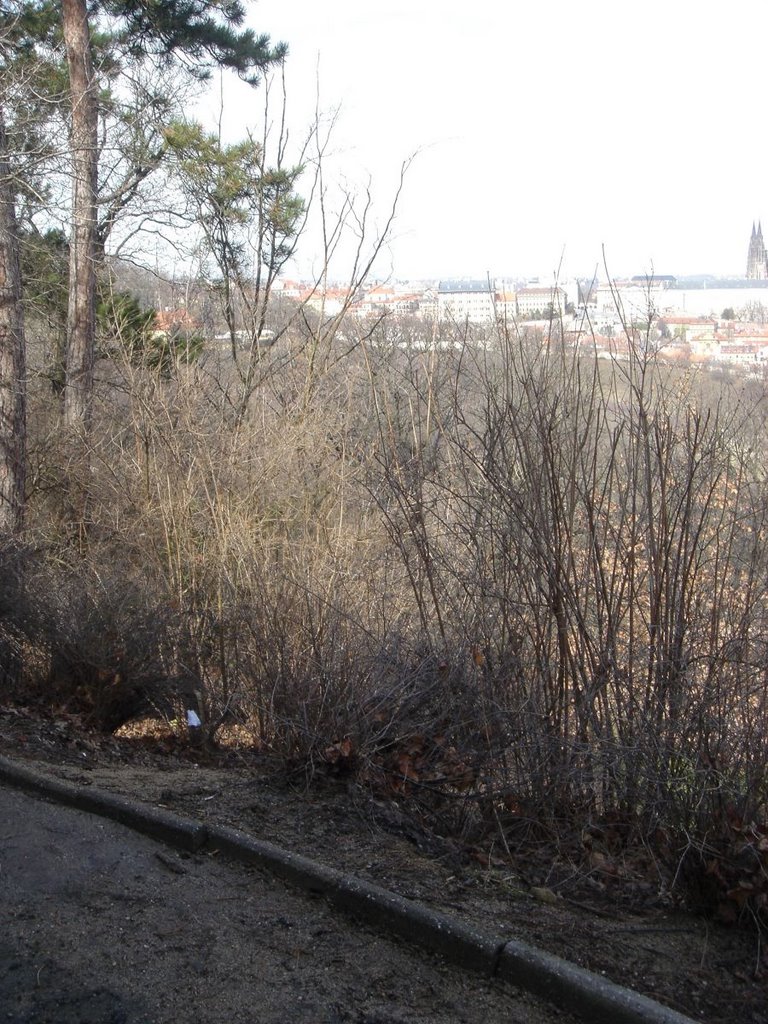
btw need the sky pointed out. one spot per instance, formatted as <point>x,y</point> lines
<point>544,133</point>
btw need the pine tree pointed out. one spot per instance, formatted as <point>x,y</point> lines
<point>47,52</point>
<point>23,23</point>
<point>12,356</point>
<point>81,315</point>
<point>198,35</point>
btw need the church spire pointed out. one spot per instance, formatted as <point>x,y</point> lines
<point>757,258</point>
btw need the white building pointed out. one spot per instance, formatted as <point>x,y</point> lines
<point>634,300</point>
<point>472,301</point>
<point>539,301</point>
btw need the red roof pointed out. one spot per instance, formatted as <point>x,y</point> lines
<point>166,319</point>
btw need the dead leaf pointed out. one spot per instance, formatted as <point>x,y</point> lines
<point>544,895</point>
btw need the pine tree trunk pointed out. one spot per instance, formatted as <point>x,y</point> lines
<point>81,314</point>
<point>13,435</point>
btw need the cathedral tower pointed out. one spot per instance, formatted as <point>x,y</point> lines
<point>757,259</point>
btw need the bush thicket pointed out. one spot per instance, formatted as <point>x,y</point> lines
<point>526,587</point>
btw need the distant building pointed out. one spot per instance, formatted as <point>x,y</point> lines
<point>634,300</point>
<point>757,258</point>
<point>655,280</point>
<point>168,321</point>
<point>506,305</point>
<point>688,328</point>
<point>287,289</point>
<point>327,301</point>
<point>466,300</point>
<point>541,302</point>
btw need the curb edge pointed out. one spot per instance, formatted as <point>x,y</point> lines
<point>556,980</point>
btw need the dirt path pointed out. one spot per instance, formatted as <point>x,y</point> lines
<point>104,926</point>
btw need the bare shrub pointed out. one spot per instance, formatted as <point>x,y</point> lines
<point>15,615</point>
<point>594,533</point>
<point>519,586</point>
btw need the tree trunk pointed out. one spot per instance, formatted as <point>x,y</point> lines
<point>81,313</point>
<point>13,435</point>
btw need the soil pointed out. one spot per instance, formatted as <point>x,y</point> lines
<point>625,928</point>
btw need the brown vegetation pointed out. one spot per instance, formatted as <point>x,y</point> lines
<point>523,589</point>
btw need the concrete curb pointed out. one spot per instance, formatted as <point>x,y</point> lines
<point>582,992</point>
<point>558,981</point>
<point>452,939</point>
<point>365,901</point>
<point>170,828</point>
<point>291,867</point>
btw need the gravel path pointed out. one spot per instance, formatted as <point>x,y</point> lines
<point>104,926</point>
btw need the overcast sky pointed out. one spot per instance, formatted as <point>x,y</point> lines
<point>543,130</point>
